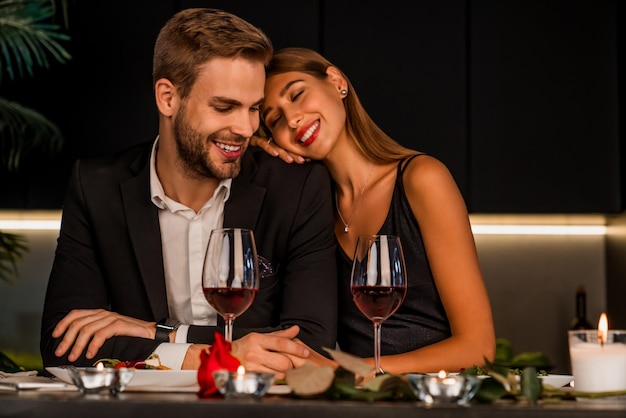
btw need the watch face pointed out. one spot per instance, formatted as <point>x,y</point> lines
<point>170,324</point>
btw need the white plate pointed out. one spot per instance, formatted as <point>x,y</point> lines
<point>149,380</point>
<point>557,380</point>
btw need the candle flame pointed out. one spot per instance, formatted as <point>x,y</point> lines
<point>442,374</point>
<point>603,329</point>
<point>241,371</point>
<point>100,366</point>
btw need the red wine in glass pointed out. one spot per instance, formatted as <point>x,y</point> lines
<point>229,301</point>
<point>230,274</point>
<point>378,302</point>
<point>378,282</point>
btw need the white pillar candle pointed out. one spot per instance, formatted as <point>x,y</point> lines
<point>598,359</point>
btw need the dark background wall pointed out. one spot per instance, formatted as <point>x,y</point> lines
<point>519,98</point>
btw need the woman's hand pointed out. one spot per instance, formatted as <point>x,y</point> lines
<point>272,148</point>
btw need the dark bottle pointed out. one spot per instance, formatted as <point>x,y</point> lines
<point>581,322</point>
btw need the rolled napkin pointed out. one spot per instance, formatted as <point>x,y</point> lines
<point>30,380</point>
<point>4,375</point>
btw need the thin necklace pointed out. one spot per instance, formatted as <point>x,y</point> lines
<point>346,225</point>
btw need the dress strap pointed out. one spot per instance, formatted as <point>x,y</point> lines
<point>404,163</point>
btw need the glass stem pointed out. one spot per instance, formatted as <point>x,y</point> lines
<point>228,328</point>
<point>377,327</point>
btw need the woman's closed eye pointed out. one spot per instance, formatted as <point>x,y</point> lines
<point>295,96</point>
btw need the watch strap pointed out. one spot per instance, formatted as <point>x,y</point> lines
<point>163,329</point>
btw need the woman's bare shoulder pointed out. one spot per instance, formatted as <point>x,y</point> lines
<point>424,169</point>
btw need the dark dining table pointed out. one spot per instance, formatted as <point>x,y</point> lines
<point>64,404</point>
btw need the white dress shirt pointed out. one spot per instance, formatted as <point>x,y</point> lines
<point>184,237</point>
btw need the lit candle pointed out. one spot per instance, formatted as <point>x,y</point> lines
<point>100,378</point>
<point>603,329</point>
<point>443,387</point>
<point>242,384</point>
<point>245,383</point>
<point>598,358</point>
<point>446,386</point>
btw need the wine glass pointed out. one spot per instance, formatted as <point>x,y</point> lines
<point>230,274</point>
<point>378,283</point>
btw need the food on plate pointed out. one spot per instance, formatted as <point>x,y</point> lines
<point>151,363</point>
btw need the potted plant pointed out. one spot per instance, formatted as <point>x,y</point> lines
<point>29,38</point>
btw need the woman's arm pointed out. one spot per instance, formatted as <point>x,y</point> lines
<point>439,206</point>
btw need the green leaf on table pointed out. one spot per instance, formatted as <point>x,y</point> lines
<point>490,390</point>
<point>8,365</point>
<point>505,356</point>
<point>530,359</point>
<point>382,387</point>
<point>530,384</point>
<point>504,351</point>
<point>347,391</point>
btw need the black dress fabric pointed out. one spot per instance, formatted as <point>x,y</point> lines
<point>421,319</point>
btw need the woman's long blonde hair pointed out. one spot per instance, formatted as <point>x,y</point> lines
<point>375,144</point>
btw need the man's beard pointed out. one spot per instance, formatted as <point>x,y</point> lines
<point>194,151</point>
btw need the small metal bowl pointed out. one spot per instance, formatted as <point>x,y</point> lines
<point>97,380</point>
<point>242,384</point>
<point>444,388</point>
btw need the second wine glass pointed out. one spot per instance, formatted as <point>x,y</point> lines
<point>230,274</point>
<point>378,283</point>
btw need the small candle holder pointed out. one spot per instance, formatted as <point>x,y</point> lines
<point>242,384</point>
<point>91,380</point>
<point>444,388</point>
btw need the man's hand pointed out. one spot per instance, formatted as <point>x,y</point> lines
<point>90,328</point>
<point>273,352</point>
<point>314,357</point>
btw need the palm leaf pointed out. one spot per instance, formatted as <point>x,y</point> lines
<point>24,130</point>
<point>12,248</point>
<point>27,38</point>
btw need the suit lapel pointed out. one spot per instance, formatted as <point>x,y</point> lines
<point>145,235</point>
<point>246,198</point>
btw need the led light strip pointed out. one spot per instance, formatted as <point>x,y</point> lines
<point>29,225</point>
<point>50,225</point>
<point>539,229</point>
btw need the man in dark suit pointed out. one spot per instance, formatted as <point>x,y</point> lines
<point>125,282</point>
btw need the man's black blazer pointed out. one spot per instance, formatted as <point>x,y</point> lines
<point>109,250</point>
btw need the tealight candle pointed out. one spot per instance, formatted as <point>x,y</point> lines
<point>242,384</point>
<point>443,387</point>
<point>598,358</point>
<point>99,379</point>
<point>245,383</point>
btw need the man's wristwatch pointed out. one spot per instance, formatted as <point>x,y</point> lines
<point>163,329</point>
